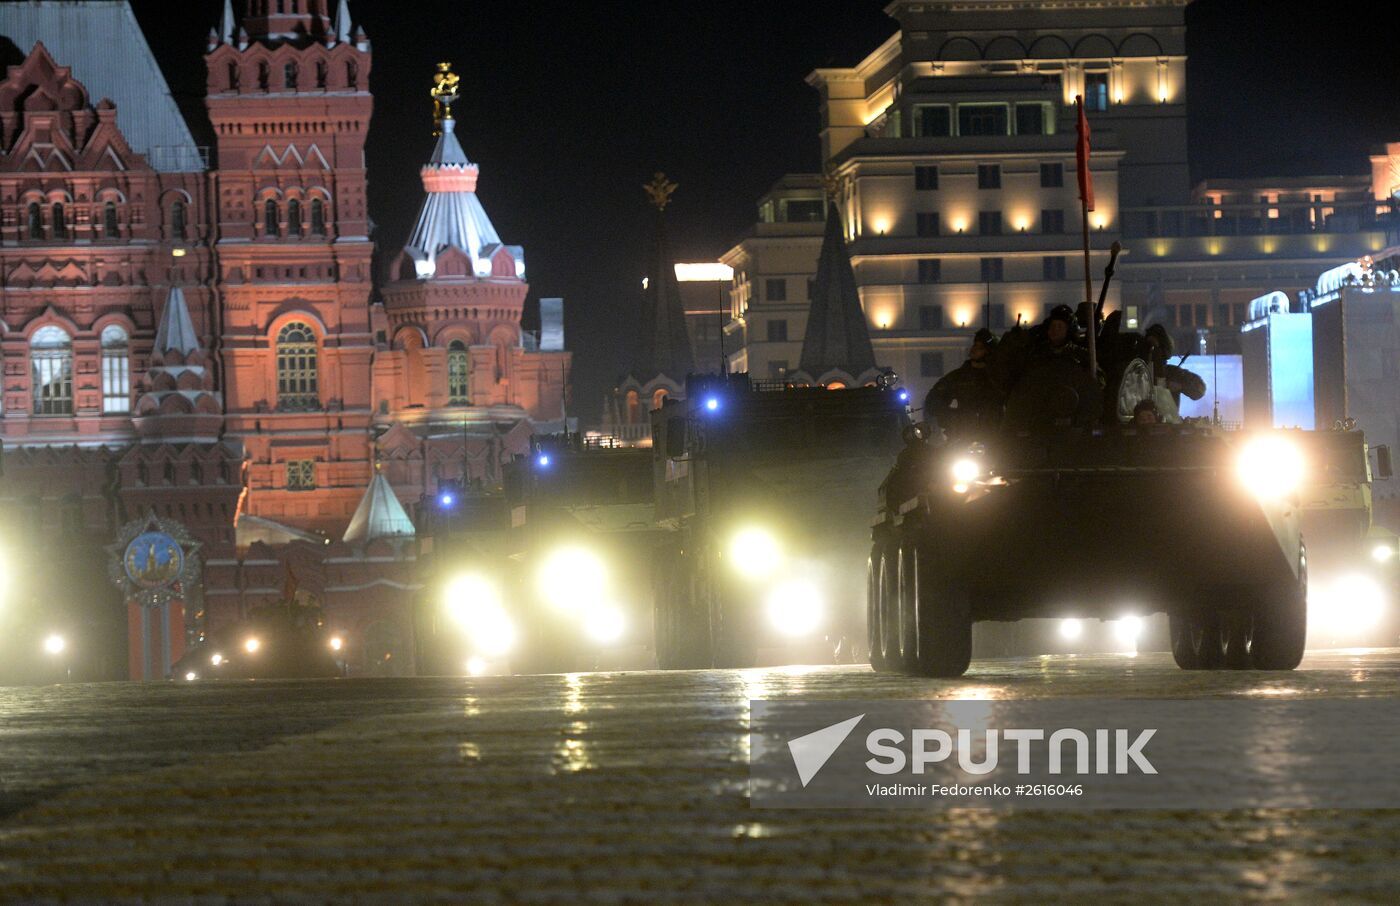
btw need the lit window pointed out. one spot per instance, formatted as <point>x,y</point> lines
<point>51,369</point>
<point>116,371</point>
<point>1096,91</point>
<point>297,368</point>
<point>301,475</point>
<point>458,374</point>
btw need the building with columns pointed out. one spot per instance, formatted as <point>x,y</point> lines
<point>192,334</point>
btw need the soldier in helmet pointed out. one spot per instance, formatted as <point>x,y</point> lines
<point>965,403</point>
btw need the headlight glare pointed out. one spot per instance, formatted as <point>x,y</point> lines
<point>1271,467</point>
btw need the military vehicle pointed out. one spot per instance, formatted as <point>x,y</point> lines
<point>764,492</point>
<point>1189,520</point>
<point>582,534</point>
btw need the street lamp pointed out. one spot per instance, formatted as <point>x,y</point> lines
<point>252,645</point>
<point>55,644</point>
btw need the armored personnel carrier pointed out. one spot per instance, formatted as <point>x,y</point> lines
<point>1093,524</point>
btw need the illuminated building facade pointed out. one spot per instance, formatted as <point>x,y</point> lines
<point>190,332</point>
<point>951,149</point>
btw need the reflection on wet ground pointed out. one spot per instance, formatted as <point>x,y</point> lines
<point>616,787</point>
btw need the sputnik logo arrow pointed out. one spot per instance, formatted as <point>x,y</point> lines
<point>810,753</point>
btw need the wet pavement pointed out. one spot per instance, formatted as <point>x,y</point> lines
<point>606,787</point>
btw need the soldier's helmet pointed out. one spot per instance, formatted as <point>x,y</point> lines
<point>985,337</point>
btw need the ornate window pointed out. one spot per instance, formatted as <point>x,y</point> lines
<point>458,374</point>
<point>301,475</point>
<point>116,371</point>
<point>177,220</point>
<point>272,219</point>
<point>110,228</point>
<point>36,221</point>
<point>634,407</point>
<point>297,368</point>
<point>318,217</point>
<point>60,223</point>
<point>51,368</point>
<point>294,218</point>
<point>658,399</point>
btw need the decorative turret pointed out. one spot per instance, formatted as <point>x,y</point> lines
<point>176,400</point>
<point>836,347</point>
<point>453,237</point>
<point>379,517</point>
<point>665,350</point>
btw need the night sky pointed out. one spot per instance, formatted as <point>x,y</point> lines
<point>569,108</point>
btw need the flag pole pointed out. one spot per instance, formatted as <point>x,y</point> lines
<point>1092,326</point>
<point>1086,204</point>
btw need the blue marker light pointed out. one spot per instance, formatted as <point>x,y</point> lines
<point>446,500</point>
<point>543,460</point>
<point>904,396</point>
<point>712,404</point>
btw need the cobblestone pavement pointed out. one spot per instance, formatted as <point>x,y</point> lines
<point>623,787</point>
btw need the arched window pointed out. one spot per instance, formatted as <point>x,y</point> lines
<point>110,228</point>
<point>264,75</point>
<point>116,371</point>
<point>294,218</point>
<point>177,220</point>
<point>233,76</point>
<point>271,218</point>
<point>658,398</point>
<point>60,224</point>
<point>321,73</point>
<point>51,368</point>
<point>297,370</point>
<point>634,407</point>
<point>352,74</point>
<point>318,217</point>
<point>458,374</point>
<point>36,221</point>
<point>290,76</point>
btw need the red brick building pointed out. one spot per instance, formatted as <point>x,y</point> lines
<point>193,333</point>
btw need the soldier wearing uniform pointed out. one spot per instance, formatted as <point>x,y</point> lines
<point>965,402</point>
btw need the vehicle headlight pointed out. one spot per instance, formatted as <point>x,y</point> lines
<point>795,607</point>
<point>572,576</point>
<point>1383,552</point>
<point>1352,603</point>
<point>755,553</point>
<point>966,470</point>
<point>1071,629</point>
<point>1127,630</point>
<point>605,624</point>
<point>1270,467</point>
<point>474,603</point>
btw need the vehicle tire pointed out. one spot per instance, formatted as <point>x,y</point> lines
<point>1281,625</point>
<point>889,608</point>
<point>908,600</point>
<point>1239,639</point>
<point>1198,639</point>
<point>873,608</point>
<point>944,621</point>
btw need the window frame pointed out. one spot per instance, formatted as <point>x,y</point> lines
<point>989,176</point>
<point>51,365</point>
<point>116,370</point>
<point>458,374</point>
<point>1002,106</point>
<point>297,368</point>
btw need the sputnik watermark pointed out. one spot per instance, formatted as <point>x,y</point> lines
<point>1074,754</point>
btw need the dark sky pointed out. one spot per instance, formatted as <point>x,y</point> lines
<point>568,109</point>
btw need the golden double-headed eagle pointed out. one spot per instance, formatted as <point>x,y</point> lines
<point>444,94</point>
<point>659,190</point>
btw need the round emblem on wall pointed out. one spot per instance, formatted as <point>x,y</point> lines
<point>153,560</point>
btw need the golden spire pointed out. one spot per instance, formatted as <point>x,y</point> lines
<point>444,95</point>
<point>659,190</point>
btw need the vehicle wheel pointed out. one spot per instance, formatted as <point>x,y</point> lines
<point>1281,629</point>
<point>944,622</point>
<point>1198,639</point>
<point>889,608</point>
<point>1239,638</point>
<point>873,608</point>
<point>908,635</point>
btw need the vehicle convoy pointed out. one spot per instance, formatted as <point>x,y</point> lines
<point>764,493</point>
<point>1073,505</point>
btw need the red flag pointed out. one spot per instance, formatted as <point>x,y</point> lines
<point>1081,153</point>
